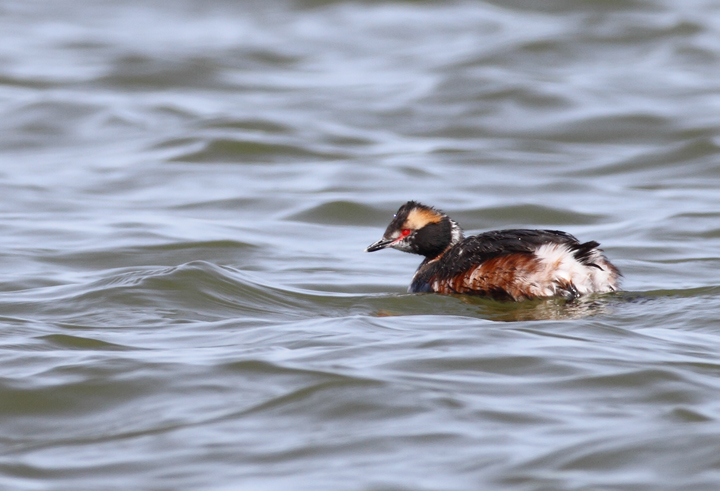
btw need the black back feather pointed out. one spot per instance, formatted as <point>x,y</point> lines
<point>477,249</point>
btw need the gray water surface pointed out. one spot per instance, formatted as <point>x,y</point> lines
<point>187,188</point>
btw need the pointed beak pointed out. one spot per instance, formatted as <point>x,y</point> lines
<point>380,244</point>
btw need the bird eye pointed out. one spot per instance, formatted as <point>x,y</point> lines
<point>405,232</point>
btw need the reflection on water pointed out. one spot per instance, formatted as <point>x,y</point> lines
<point>527,310</point>
<point>187,190</point>
<point>547,309</point>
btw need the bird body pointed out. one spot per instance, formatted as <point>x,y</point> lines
<point>514,264</point>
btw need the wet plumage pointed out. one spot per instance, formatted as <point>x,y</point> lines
<point>512,264</point>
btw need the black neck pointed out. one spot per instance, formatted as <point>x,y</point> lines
<point>432,240</point>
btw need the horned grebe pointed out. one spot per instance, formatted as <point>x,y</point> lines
<point>513,264</point>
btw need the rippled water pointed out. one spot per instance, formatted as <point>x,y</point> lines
<point>187,189</point>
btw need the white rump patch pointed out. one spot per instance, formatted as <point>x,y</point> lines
<point>559,267</point>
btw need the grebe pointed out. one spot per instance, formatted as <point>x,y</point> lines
<point>515,264</point>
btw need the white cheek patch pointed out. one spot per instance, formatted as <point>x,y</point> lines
<point>401,244</point>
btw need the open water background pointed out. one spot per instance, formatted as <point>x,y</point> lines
<point>186,189</point>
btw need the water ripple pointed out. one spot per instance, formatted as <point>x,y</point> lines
<point>184,299</point>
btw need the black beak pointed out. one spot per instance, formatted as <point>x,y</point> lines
<point>380,244</point>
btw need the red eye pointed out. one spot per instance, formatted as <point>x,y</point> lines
<point>405,232</point>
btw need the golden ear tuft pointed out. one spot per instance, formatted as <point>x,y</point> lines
<point>419,217</point>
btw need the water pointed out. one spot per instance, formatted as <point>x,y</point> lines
<point>187,189</point>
